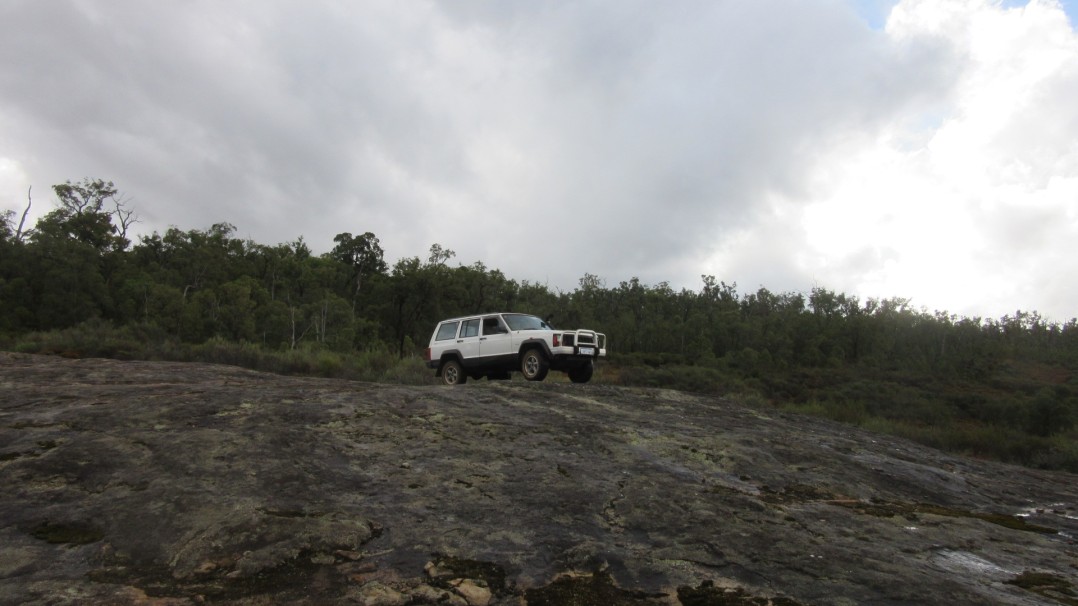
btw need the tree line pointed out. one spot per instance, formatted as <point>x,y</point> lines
<point>78,263</point>
<point>822,351</point>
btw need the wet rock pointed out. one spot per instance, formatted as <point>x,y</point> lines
<point>129,482</point>
<point>476,593</point>
<point>425,594</point>
<point>377,594</point>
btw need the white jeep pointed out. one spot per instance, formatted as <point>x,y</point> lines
<point>493,345</point>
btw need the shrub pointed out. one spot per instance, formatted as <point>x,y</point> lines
<point>685,378</point>
<point>94,338</point>
<point>409,371</point>
<point>1049,414</point>
<point>328,364</point>
<point>1059,452</point>
<point>844,411</point>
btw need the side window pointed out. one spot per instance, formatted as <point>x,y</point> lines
<point>470,328</point>
<point>447,331</point>
<point>493,326</point>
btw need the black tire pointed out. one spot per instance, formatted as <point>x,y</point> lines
<point>534,365</point>
<point>453,373</point>
<point>582,374</point>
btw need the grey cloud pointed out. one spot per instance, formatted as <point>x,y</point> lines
<point>634,138</point>
<point>243,96</point>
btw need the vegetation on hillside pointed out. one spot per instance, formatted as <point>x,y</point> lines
<point>75,284</point>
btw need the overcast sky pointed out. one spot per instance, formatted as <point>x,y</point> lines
<point>925,149</point>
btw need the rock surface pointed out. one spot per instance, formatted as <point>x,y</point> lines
<point>167,483</point>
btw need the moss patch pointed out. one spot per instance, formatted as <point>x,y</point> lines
<point>67,533</point>
<point>795,493</point>
<point>709,595</point>
<point>587,590</point>
<point>1048,585</point>
<point>911,510</point>
<point>294,579</point>
<point>801,493</point>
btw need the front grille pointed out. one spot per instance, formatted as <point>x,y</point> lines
<point>583,339</point>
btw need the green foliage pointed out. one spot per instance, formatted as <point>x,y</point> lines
<point>95,339</point>
<point>1049,413</point>
<point>83,217</point>
<point>407,371</point>
<point>846,411</point>
<point>99,338</point>
<point>689,378</point>
<point>7,226</point>
<point>74,285</point>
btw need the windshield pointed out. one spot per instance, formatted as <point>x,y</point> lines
<point>524,322</point>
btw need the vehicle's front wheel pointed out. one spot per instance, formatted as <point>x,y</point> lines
<point>582,374</point>
<point>453,373</point>
<point>534,365</point>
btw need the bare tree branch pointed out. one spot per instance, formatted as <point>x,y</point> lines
<point>29,202</point>
<point>126,217</point>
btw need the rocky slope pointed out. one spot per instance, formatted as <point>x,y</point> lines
<point>137,482</point>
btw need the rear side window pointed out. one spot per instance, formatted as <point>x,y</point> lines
<point>447,331</point>
<point>491,326</point>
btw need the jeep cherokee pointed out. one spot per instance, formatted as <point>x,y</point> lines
<point>493,345</point>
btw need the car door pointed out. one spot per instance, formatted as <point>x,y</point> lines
<point>495,343</point>
<point>468,341</point>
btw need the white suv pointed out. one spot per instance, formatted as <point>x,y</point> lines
<point>493,345</point>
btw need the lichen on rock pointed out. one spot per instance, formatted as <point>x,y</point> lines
<point>124,482</point>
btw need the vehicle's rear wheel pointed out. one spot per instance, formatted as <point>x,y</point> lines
<point>534,365</point>
<point>453,373</point>
<point>582,374</point>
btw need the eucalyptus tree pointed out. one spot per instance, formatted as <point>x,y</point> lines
<point>362,255</point>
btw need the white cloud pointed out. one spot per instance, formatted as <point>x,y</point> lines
<point>966,203</point>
